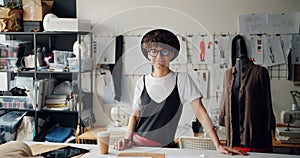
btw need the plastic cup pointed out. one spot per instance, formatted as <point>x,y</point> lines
<point>103,141</point>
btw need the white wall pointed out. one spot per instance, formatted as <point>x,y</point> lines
<point>114,17</point>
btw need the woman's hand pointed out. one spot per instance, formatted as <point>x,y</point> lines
<point>123,144</point>
<point>230,151</point>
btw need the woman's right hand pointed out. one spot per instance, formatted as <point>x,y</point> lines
<point>123,144</point>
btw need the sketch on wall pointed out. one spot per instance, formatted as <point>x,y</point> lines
<point>273,54</point>
<point>253,23</point>
<point>202,49</point>
<point>286,44</point>
<point>222,52</point>
<point>254,45</point>
<point>283,23</point>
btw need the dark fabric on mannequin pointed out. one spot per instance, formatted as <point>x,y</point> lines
<point>116,69</point>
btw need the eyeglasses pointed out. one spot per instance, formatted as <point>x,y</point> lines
<point>163,52</point>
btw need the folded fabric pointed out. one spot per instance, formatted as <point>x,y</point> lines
<point>59,134</point>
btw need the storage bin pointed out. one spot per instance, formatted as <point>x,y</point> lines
<point>18,102</point>
<point>9,123</point>
<point>60,57</point>
<point>15,48</point>
<point>86,64</point>
<point>8,64</point>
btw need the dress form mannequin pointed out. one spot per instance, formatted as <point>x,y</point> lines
<point>240,52</point>
<point>246,107</point>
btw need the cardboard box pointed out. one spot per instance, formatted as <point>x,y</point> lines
<point>35,10</point>
<point>68,24</point>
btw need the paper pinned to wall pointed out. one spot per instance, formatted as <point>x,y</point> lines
<point>273,54</point>
<point>283,23</point>
<point>105,49</point>
<point>254,45</point>
<point>253,24</point>
<point>217,75</point>
<point>286,43</point>
<point>202,49</point>
<point>182,56</point>
<point>223,49</point>
<point>202,81</point>
<point>134,62</point>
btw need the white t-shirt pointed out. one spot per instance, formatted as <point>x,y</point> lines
<point>160,88</point>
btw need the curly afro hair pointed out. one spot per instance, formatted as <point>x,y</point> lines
<point>162,38</point>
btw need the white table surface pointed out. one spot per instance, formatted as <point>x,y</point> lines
<point>169,152</point>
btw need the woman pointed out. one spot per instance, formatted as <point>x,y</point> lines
<point>159,96</point>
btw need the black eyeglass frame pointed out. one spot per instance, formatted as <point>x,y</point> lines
<point>163,52</point>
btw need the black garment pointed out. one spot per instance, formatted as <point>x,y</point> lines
<point>237,113</point>
<point>116,69</point>
<point>159,121</point>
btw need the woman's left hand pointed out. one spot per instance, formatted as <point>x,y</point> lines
<point>230,151</point>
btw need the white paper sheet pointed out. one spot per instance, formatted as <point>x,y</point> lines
<point>253,24</point>
<point>286,43</point>
<point>202,50</point>
<point>223,49</point>
<point>273,53</point>
<point>182,56</point>
<point>254,45</point>
<point>134,62</point>
<point>283,23</point>
<point>105,49</point>
<point>217,75</point>
<point>178,67</point>
<point>201,79</point>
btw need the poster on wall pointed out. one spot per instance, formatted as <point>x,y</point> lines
<point>202,49</point>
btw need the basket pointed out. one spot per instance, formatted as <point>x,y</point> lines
<point>196,143</point>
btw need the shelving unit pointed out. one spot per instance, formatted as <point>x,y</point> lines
<point>83,115</point>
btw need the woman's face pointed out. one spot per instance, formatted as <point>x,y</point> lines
<point>160,57</point>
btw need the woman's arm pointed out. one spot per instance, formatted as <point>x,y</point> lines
<point>127,141</point>
<point>206,122</point>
